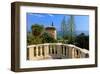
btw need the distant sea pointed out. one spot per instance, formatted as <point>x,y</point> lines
<point>79,32</point>
<point>59,33</point>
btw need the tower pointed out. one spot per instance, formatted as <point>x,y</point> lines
<point>52,30</point>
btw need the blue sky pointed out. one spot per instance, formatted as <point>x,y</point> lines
<point>81,22</point>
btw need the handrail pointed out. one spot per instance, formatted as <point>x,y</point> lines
<point>69,45</point>
<point>56,50</point>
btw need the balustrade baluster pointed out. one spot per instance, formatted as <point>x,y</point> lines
<point>27,53</point>
<point>78,54</point>
<point>73,52</point>
<point>41,51</point>
<point>36,51</point>
<point>31,53</point>
<point>54,49</point>
<point>63,50</point>
<point>46,50</point>
<point>66,51</point>
<point>83,55</point>
<point>49,50</point>
<point>59,51</point>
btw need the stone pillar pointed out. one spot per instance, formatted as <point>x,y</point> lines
<point>82,54</point>
<point>46,50</point>
<point>58,50</point>
<point>67,51</point>
<point>31,53</point>
<point>70,52</point>
<point>50,50</point>
<point>41,51</point>
<point>63,51</point>
<point>73,52</point>
<point>36,51</point>
<point>79,53</point>
<point>54,49</point>
<point>27,55</point>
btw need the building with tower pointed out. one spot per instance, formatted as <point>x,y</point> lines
<point>52,31</point>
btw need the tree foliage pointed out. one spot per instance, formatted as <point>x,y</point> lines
<point>68,29</point>
<point>64,27</point>
<point>37,29</point>
<point>71,30</point>
<point>47,38</point>
<point>38,35</point>
<point>82,41</point>
<point>33,40</point>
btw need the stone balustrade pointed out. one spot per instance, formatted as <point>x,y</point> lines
<point>55,51</point>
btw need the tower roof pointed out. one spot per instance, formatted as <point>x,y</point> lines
<point>50,28</point>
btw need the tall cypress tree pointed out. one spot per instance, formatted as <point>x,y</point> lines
<point>68,29</point>
<point>63,27</point>
<point>71,29</point>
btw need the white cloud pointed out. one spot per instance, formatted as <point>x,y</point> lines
<point>51,15</point>
<point>38,15</point>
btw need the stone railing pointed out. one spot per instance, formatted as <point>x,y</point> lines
<point>55,51</point>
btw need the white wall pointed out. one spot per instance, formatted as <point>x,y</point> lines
<point>5,32</point>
